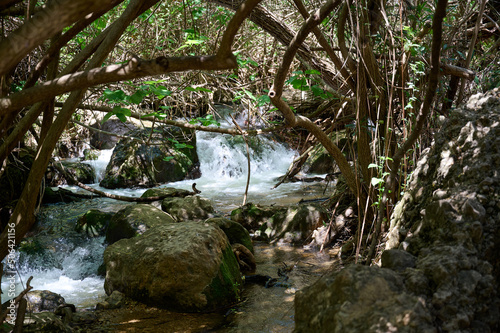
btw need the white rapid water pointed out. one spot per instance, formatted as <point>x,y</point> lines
<point>100,163</point>
<point>223,164</point>
<point>224,169</point>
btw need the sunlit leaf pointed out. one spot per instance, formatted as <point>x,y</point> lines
<point>376,181</point>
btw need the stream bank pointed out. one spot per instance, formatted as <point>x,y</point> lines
<point>69,269</point>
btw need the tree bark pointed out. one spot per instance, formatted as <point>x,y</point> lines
<point>54,18</point>
<point>23,216</point>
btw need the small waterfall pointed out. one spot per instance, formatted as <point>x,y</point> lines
<point>70,266</point>
<point>224,169</point>
<point>100,163</point>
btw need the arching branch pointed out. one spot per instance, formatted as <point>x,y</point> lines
<point>54,18</point>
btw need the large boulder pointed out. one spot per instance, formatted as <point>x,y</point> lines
<point>186,266</point>
<point>189,208</point>
<point>83,172</point>
<point>135,220</point>
<point>294,224</point>
<point>360,299</point>
<point>137,164</point>
<point>443,242</point>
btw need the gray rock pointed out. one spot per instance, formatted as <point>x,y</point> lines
<point>114,301</point>
<point>398,260</point>
<point>101,140</point>
<point>167,192</point>
<point>294,224</point>
<point>43,300</point>
<point>137,164</point>
<point>252,216</point>
<point>83,172</point>
<point>360,299</point>
<point>190,208</point>
<point>186,266</point>
<point>134,220</point>
<point>286,224</point>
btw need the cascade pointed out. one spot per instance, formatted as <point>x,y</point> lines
<point>100,163</point>
<point>70,269</point>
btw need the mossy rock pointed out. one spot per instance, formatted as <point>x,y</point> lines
<point>187,267</point>
<point>94,223</point>
<point>82,172</point>
<point>294,224</point>
<point>190,208</point>
<point>252,216</point>
<point>135,220</point>
<point>134,164</point>
<point>234,231</point>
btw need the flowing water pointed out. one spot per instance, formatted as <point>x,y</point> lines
<point>70,267</point>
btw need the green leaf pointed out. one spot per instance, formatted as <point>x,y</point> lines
<point>106,117</point>
<point>372,165</point>
<point>154,82</point>
<point>182,145</point>
<point>121,110</point>
<point>263,100</point>
<point>252,62</point>
<point>198,89</point>
<point>138,96</point>
<point>117,96</point>
<point>161,91</point>
<point>168,158</point>
<point>317,91</point>
<point>376,181</point>
<point>249,94</point>
<point>121,116</point>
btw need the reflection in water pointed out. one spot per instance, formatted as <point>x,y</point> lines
<point>272,309</point>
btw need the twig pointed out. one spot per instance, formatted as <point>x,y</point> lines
<point>18,298</point>
<point>248,160</point>
<point>471,48</point>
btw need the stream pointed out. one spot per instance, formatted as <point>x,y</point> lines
<point>70,268</point>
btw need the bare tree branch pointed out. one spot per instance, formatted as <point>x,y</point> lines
<point>23,214</point>
<point>300,121</point>
<point>57,15</point>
